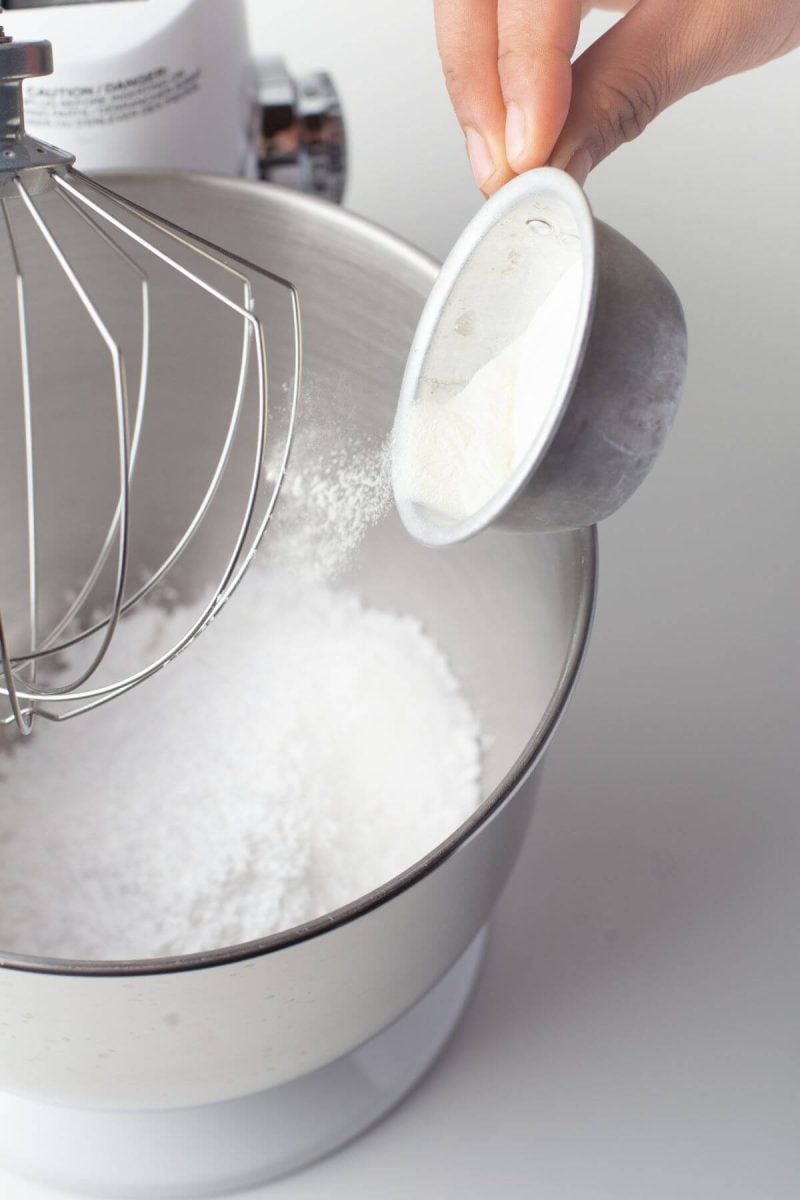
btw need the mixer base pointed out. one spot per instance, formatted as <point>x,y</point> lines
<point>172,1155</point>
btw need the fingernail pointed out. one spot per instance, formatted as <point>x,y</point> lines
<point>579,166</point>
<point>480,158</point>
<point>516,133</point>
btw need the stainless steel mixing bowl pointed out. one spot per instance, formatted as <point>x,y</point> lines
<point>512,612</point>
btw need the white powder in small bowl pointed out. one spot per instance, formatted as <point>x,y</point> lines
<point>454,455</point>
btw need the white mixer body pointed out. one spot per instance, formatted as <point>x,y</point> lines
<point>144,84</point>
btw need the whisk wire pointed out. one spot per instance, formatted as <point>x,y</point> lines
<point>26,725</point>
<point>63,184</point>
<point>241,555</point>
<point>202,247</point>
<point>48,648</point>
<point>22,717</point>
<point>123,451</point>
<point>50,645</point>
<point>250,533</point>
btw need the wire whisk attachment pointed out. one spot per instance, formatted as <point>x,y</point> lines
<point>107,311</point>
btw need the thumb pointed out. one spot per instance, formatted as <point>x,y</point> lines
<point>657,53</point>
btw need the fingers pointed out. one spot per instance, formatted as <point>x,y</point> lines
<point>621,83</point>
<point>536,39</point>
<point>507,68</point>
<point>658,52</point>
<point>466,33</point>
<point>520,103</point>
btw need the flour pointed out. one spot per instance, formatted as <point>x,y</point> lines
<point>303,751</point>
<point>454,455</point>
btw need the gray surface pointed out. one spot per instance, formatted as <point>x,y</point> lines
<point>635,1033</point>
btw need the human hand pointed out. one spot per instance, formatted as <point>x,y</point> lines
<point>522,103</point>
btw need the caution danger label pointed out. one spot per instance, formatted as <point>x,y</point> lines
<point>109,102</point>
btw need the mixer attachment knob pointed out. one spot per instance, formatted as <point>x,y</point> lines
<point>19,151</point>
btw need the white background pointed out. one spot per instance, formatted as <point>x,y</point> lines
<point>636,1032</point>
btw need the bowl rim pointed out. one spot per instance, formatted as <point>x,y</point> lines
<point>489,808</point>
<point>542,181</point>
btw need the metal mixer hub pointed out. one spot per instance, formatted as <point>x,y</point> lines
<point>18,150</point>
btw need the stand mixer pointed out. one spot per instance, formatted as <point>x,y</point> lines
<point>202,1073</point>
<point>174,85</point>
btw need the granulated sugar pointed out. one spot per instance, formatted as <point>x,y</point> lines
<point>305,750</point>
<point>327,507</point>
<point>454,455</point>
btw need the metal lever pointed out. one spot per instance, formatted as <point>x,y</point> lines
<point>300,135</point>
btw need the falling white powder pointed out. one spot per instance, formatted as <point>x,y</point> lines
<point>454,455</point>
<point>328,505</point>
<point>305,750</point>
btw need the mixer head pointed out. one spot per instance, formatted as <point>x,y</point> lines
<point>81,265</point>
